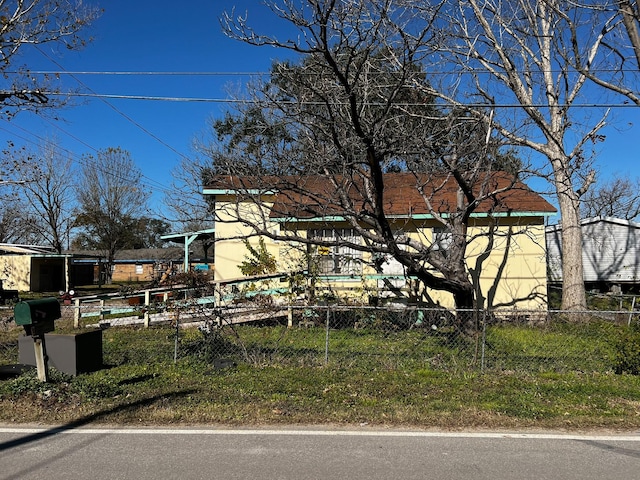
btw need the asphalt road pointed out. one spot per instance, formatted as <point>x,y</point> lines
<point>357,454</point>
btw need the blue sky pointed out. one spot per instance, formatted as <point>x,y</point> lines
<point>144,36</point>
<point>169,36</point>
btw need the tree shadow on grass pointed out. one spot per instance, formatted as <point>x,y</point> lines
<point>95,417</point>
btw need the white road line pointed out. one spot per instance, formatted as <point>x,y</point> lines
<point>321,433</point>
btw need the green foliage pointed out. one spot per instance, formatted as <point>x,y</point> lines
<point>132,232</point>
<point>207,344</point>
<point>146,233</point>
<point>402,378</point>
<point>627,354</point>
<point>259,261</point>
<point>131,345</point>
<point>98,385</point>
<point>28,383</point>
<point>562,347</point>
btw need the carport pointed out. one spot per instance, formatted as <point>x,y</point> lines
<point>187,238</point>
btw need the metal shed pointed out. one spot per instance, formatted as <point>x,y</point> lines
<point>610,251</point>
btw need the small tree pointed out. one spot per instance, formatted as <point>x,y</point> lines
<point>618,197</point>
<point>110,202</point>
<point>259,261</point>
<point>47,186</point>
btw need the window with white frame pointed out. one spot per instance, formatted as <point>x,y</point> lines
<point>337,259</point>
<point>442,239</point>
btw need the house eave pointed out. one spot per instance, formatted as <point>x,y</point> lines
<point>235,191</point>
<point>422,216</point>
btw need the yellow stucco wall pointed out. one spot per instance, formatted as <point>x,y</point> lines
<point>516,266</point>
<point>15,271</point>
<point>230,250</point>
<point>519,257</point>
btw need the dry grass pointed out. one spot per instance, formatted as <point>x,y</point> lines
<point>142,385</point>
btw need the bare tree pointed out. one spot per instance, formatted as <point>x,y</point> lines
<point>47,181</point>
<point>28,23</point>
<point>618,197</point>
<point>613,54</point>
<point>13,207</point>
<point>191,211</point>
<point>110,201</point>
<point>189,208</point>
<point>515,59</point>
<point>11,230</point>
<point>359,105</point>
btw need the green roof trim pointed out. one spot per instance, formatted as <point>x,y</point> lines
<point>421,216</point>
<point>235,191</point>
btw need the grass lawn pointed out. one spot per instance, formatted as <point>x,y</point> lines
<point>404,379</point>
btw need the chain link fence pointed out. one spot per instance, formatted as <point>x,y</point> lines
<point>8,342</point>
<point>261,333</point>
<point>414,338</point>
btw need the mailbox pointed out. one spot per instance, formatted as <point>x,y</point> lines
<point>37,316</point>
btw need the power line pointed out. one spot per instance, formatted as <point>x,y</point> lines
<point>263,73</point>
<point>401,104</point>
<point>139,73</point>
<point>125,116</point>
<point>150,183</point>
<point>149,97</point>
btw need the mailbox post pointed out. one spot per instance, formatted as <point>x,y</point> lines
<point>37,317</point>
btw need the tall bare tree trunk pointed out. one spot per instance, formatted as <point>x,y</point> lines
<point>573,291</point>
<point>527,49</point>
<point>631,18</point>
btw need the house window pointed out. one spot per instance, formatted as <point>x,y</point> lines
<point>337,259</point>
<point>139,270</point>
<point>441,239</point>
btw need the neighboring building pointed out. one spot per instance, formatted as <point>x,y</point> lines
<point>146,264</point>
<point>139,265</point>
<point>33,268</point>
<point>610,252</point>
<point>514,272</point>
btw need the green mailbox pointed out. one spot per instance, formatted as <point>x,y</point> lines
<point>37,316</point>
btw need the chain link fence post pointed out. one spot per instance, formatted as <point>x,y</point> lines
<point>326,338</point>
<point>484,341</point>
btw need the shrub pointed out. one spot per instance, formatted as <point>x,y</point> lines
<point>627,354</point>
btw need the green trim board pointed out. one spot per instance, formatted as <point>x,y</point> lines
<point>422,216</point>
<point>231,191</point>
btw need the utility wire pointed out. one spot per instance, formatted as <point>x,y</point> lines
<point>119,112</point>
<point>263,73</point>
<point>150,183</point>
<point>401,104</point>
<point>152,73</point>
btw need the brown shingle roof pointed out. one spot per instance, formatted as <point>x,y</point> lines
<point>404,194</point>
